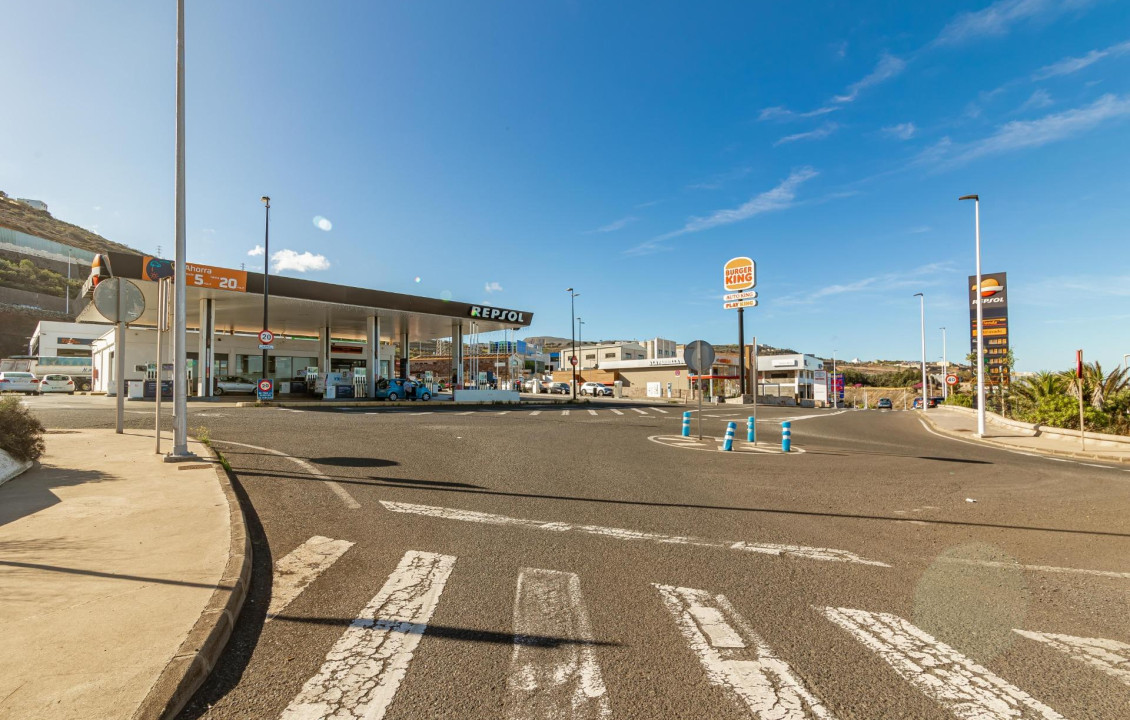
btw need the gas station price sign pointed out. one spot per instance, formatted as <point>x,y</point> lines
<point>201,276</point>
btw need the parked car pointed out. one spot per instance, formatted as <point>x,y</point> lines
<point>556,388</point>
<point>595,389</point>
<point>21,382</point>
<point>57,383</point>
<point>885,404</point>
<point>931,403</point>
<point>233,384</point>
<point>401,389</point>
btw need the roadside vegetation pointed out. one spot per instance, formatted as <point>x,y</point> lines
<point>21,434</point>
<point>26,275</point>
<point>1052,398</point>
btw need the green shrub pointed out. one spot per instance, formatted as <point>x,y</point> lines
<point>21,434</point>
<point>959,399</point>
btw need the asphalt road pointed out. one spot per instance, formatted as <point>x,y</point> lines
<point>581,562</point>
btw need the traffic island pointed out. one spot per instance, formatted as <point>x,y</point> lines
<point>714,444</point>
<point>122,574</point>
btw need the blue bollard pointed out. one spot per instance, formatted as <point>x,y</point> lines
<point>686,424</point>
<point>728,443</point>
<point>750,431</point>
<point>786,436</point>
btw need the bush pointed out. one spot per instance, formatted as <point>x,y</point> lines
<point>21,434</point>
<point>960,400</point>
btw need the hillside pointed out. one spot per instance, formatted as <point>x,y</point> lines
<point>20,217</point>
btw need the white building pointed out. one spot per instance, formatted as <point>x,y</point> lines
<point>657,348</point>
<point>787,375</point>
<point>592,356</point>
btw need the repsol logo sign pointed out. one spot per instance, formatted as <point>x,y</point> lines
<point>493,313</point>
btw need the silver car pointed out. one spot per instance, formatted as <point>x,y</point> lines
<point>21,382</point>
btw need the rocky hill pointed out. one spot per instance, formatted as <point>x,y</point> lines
<point>17,216</point>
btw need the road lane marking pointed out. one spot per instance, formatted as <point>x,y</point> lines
<point>658,410</point>
<point>504,412</point>
<point>618,412</point>
<point>364,669</point>
<point>799,551</point>
<point>300,567</point>
<point>1037,568</point>
<point>641,412</point>
<point>564,412</point>
<point>553,668</point>
<point>469,412</point>
<point>955,682</point>
<point>335,487</point>
<point>592,412</point>
<point>535,412</point>
<point>426,412</point>
<point>1110,656</point>
<point>737,658</point>
<point>995,446</point>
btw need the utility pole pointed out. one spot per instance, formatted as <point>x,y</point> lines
<point>980,318</point>
<point>180,330</point>
<point>945,368</point>
<point>925,383</point>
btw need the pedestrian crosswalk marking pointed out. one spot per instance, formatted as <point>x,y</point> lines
<point>797,551</point>
<point>363,671</point>
<point>618,412</point>
<point>300,567</point>
<point>736,658</point>
<point>504,412</point>
<point>1110,656</point>
<point>469,412</point>
<point>592,412</point>
<point>535,412</point>
<point>641,412</point>
<point>658,410</point>
<point>564,412</point>
<point>955,682</point>
<point>553,668</point>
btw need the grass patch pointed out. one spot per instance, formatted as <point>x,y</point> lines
<point>203,434</point>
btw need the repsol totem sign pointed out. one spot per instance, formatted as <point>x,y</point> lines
<point>496,313</point>
<point>992,295</point>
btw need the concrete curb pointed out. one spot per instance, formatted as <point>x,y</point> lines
<point>198,654</point>
<point>1022,448</point>
<point>397,403</point>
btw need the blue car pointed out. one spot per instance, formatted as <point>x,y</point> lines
<point>401,389</point>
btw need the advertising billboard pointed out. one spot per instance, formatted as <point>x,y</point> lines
<point>993,298</point>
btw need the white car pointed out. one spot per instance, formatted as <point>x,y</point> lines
<point>56,384</point>
<point>21,382</point>
<point>595,389</point>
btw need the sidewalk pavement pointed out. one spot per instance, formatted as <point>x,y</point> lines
<point>121,574</point>
<point>963,424</point>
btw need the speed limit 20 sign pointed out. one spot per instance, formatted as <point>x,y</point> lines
<point>266,389</point>
<point>266,340</point>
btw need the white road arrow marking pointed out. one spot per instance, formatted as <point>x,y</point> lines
<point>736,657</point>
<point>955,682</point>
<point>553,669</point>
<point>364,669</point>
<point>1110,656</point>
<point>799,551</point>
<point>300,567</point>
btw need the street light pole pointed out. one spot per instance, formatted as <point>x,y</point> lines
<point>573,332</point>
<point>266,270</point>
<point>980,318</point>
<point>945,368</point>
<point>835,386</point>
<point>580,340</point>
<point>1124,363</point>
<point>180,330</point>
<point>925,384</point>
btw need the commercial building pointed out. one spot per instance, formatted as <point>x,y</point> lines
<point>657,348</point>
<point>327,327</point>
<point>787,376</point>
<point>595,356</point>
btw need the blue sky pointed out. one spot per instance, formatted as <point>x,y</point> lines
<point>505,151</point>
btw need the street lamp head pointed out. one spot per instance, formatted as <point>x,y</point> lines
<point>266,200</point>
<point>969,197</point>
<point>919,295</point>
<point>568,289</point>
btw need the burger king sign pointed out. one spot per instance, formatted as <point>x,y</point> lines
<point>739,274</point>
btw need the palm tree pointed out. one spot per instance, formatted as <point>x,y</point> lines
<point>1043,384</point>
<point>1097,387</point>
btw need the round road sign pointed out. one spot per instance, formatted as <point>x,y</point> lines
<point>119,300</point>
<point>573,360</point>
<point>699,356</point>
<point>265,385</point>
<point>266,337</point>
<point>951,379</point>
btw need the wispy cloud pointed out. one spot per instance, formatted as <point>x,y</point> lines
<point>299,262</point>
<point>256,251</point>
<point>1000,17</point>
<point>717,181</point>
<point>783,113</point>
<point>615,225</point>
<point>493,287</point>
<point>1023,134</point>
<point>917,277</point>
<point>781,197</point>
<point>840,49</point>
<point>209,231</point>
<point>818,134</point>
<point>1039,100</point>
<point>920,229</point>
<point>1075,64</point>
<point>902,131</point>
<point>888,67</point>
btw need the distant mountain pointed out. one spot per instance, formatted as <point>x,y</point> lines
<point>23,218</point>
<point>548,341</point>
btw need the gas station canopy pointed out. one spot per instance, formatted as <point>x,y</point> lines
<point>304,307</point>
